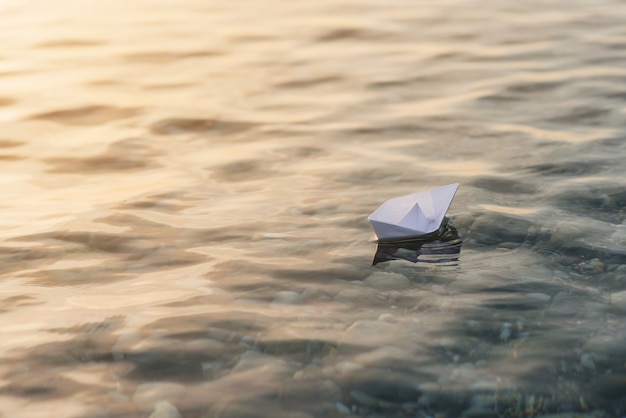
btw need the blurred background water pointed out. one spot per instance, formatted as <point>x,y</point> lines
<point>185,186</point>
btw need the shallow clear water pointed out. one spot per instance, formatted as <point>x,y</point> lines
<point>186,185</point>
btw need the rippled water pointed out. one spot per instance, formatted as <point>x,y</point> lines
<point>185,196</point>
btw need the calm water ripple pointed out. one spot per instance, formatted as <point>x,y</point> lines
<point>185,196</point>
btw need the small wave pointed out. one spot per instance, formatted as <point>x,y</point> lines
<point>6,101</point>
<point>8,143</point>
<point>175,126</point>
<point>70,43</point>
<point>167,56</point>
<point>87,115</point>
<point>124,155</point>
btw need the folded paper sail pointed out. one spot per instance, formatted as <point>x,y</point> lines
<point>412,215</point>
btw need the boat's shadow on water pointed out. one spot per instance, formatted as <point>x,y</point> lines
<point>441,247</point>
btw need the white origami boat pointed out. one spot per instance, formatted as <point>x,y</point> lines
<point>412,215</point>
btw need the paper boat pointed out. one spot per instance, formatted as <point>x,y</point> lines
<point>412,215</point>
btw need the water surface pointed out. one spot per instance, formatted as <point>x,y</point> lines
<point>185,192</point>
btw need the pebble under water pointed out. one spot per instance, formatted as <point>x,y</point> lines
<point>186,187</point>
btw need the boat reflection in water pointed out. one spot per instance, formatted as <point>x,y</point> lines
<point>440,247</point>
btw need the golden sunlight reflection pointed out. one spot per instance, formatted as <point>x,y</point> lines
<point>520,211</point>
<point>572,136</point>
<point>464,168</point>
